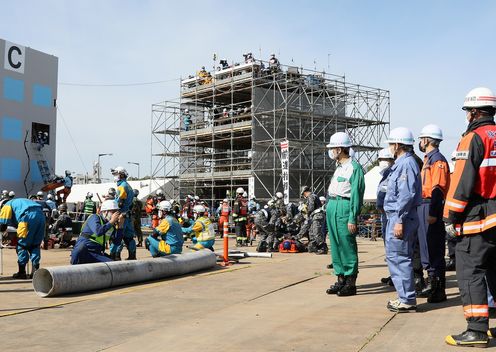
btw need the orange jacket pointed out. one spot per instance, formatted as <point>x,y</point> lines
<point>471,200</point>
<point>435,181</point>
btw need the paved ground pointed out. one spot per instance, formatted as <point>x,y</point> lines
<point>276,304</point>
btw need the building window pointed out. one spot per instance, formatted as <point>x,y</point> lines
<point>42,95</point>
<point>40,133</point>
<point>10,169</point>
<point>11,129</point>
<point>13,89</point>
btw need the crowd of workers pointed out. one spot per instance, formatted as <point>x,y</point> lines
<point>421,203</point>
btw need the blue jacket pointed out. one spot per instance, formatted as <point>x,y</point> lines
<point>381,189</point>
<point>68,182</point>
<point>14,210</point>
<point>404,189</point>
<point>170,231</point>
<point>124,196</point>
<point>94,226</point>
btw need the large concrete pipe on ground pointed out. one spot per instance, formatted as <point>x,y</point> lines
<point>56,281</point>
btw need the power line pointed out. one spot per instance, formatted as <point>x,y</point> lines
<point>72,139</point>
<point>116,84</point>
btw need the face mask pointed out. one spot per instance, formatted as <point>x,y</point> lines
<point>421,148</point>
<point>383,164</point>
<point>392,150</point>
<point>116,178</point>
<point>331,154</point>
<point>107,216</point>
<point>160,213</point>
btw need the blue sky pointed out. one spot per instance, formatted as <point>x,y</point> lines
<point>429,54</point>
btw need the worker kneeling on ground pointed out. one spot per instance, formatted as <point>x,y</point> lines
<point>167,237</point>
<point>203,230</point>
<point>96,231</point>
<point>30,221</point>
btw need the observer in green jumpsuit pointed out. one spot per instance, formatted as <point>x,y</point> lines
<point>345,195</point>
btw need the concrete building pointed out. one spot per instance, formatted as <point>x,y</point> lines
<point>28,120</point>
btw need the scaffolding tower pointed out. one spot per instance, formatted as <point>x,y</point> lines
<point>227,128</point>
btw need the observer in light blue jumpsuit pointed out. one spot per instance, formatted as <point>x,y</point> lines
<point>90,246</point>
<point>29,219</point>
<point>403,196</point>
<point>381,194</point>
<point>124,197</point>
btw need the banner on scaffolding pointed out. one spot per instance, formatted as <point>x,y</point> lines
<point>285,169</point>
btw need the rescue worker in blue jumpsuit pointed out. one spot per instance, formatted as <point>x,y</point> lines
<point>431,233</point>
<point>167,237</point>
<point>29,219</point>
<point>96,231</point>
<point>403,196</point>
<point>386,161</point>
<point>124,198</point>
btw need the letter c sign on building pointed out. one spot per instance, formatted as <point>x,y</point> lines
<point>15,56</point>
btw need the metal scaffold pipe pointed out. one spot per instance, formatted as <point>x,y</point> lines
<point>56,281</point>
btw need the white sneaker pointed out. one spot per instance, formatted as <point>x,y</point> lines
<point>397,306</point>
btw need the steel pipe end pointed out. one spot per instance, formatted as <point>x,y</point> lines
<point>43,282</point>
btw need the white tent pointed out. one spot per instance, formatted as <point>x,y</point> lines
<point>145,188</point>
<point>372,179</point>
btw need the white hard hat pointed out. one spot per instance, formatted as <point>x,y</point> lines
<point>432,131</point>
<point>89,195</point>
<point>11,194</point>
<point>186,110</point>
<point>119,170</point>
<point>401,135</point>
<point>270,203</point>
<point>279,195</point>
<point>224,110</point>
<point>197,198</point>
<point>164,205</point>
<point>240,190</point>
<point>385,154</point>
<point>478,98</point>
<point>109,204</point>
<point>339,139</point>
<point>40,193</point>
<point>225,200</point>
<point>198,208</point>
<point>322,198</point>
<point>5,192</point>
<point>49,196</point>
<point>171,201</point>
<point>159,192</point>
<point>245,194</point>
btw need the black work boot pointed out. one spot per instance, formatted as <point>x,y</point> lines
<point>438,292</point>
<point>33,270</point>
<point>115,256</point>
<point>21,274</point>
<point>387,280</point>
<point>419,285</point>
<point>349,288</point>
<point>334,289</point>
<point>426,291</point>
<point>468,338</point>
<point>451,264</point>
<point>262,247</point>
<point>132,256</point>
